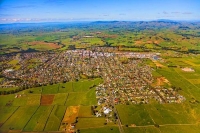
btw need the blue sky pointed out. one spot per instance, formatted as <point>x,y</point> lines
<point>92,10</point>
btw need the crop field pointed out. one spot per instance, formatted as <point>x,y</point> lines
<point>149,129</point>
<point>43,108</point>
<point>108,129</point>
<point>136,115</point>
<point>91,123</point>
<point>85,111</point>
<point>19,119</point>
<point>60,99</point>
<point>47,99</point>
<point>53,89</point>
<point>5,113</point>
<point>55,118</point>
<point>39,118</point>
<point>21,100</point>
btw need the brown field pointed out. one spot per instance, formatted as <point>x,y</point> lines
<point>157,63</point>
<point>46,99</point>
<point>186,69</point>
<point>71,114</point>
<point>51,45</point>
<point>138,42</point>
<point>70,117</point>
<point>161,81</point>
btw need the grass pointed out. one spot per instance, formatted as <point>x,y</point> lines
<point>90,123</point>
<point>25,99</point>
<point>108,129</point>
<point>50,89</point>
<point>85,111</point>
<point>55,118</point>
<point>89,98</point>
<point>19,118</point>
<point>134,114</point>
<point>39,119</point>
<point>6,112</point>
<point>65,87</point>
<point>6,99</point>
<point>36,90</point>
<point>60,98</point>
<point>141,130</point>
<point>176,79</point>
<point>180,129</point>
<point>171,113</point>
<point>74,99</point>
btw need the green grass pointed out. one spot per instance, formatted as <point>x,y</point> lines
<point>141,130</point>
<point>36,90</point>
<point>39,119</point>
<point>89,98</point>
<point>171,113</point>
<point>90,122</point>
<point>6,98</point>
<point>180,129</point>
<point>65,87</point>
<point>84,85</point>
<point>19,118</point>
<point>60,99</point>
<point>6,112</point>
<point>55,118</point>
<point>82,98</point>
<point>25,99</point>
<point>134,114</point>
<point>108,129</point>
<point>50,89</point>
<point>75,99</point>
<point>176,79</point>
<point>85,111</point>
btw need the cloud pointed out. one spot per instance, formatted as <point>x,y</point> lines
<point>24,6</point>
<point>187,13</point>
<point>175,12</point>
<point>6,15</point>
<point>164,12</point>
<point>54,2</point>
<point>122,14</point>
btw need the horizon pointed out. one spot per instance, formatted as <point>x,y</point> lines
<point>81,22</point>
<point>37,11</point>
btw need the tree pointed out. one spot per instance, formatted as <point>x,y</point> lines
<point>71,47</point>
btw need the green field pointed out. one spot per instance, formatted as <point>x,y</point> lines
<point>38,120</point>
<point>19,119</point>
<point>32,117</point>
<point>90,123</point>
<point>55,118</point>
<point>6,112</point>
<point>85,111</point>
<point>110,129</point>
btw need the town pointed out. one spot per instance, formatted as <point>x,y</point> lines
<point>126,79</point>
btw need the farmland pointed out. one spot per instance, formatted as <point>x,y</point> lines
<point>67,77</point>
<point>44,111</point>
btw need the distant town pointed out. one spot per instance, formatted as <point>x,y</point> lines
<point>126,79</point>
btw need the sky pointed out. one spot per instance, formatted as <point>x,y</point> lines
<point>12,11</point>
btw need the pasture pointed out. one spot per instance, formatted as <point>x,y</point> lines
<point>55,118</point>
<point>107,129</point>
<point>39,119</point>
<point>19,119</point>
<point>90,123</point>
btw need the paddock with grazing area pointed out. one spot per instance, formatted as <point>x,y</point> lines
<point>47,99</point>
